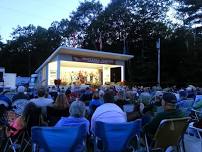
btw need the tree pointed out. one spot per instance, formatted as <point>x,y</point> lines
<point>191,10</point>
<point>80,20</point>
<point>29,48</point>
<point>132,27</point>
<point>1,43</point>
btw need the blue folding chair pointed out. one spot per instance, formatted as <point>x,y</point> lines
<point>115,137</point>
<point>59,139</point>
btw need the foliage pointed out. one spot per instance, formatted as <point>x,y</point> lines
<point>191,10</point>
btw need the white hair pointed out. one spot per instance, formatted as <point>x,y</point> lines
<point>77,109</point>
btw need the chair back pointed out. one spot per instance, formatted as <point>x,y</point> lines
<point>19,105</point>
<point>4,103</point>
<point>198,98</point>
<point>170,132</point>
<point>128,107</point>
<point>116,136</point>
<point>53,115</point>
<point>9,95</point>
<point>58,139</point>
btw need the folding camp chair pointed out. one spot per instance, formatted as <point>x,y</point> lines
<point>115,137</point>
<point>19,105</point>
<point>20,142</point>
<point>197,114</point>
<point>169,133</point>
<point>193,139</point>
<point>58,139</point>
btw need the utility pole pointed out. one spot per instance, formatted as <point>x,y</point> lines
<point>158,43</point>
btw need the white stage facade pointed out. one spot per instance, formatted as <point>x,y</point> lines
<point>81,65</point>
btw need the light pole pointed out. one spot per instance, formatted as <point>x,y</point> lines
<point>159,60</point>
<point>29,58</point>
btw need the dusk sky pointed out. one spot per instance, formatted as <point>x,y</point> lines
<point>36,12</point>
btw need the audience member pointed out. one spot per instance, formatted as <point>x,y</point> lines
<point>58,109</point>
<point>95,102</point>
<point>53,92</point>
<point>108,112</point>
<point>77,117</point>
<point>41,101</point>
<point>77,112</point>
<point>21,94</point>
<point>30,117</point>
<point>169,104</point>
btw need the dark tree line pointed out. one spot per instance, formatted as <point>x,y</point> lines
<point>131,27</point>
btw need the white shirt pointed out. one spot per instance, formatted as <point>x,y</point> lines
<point>42,102</point>
<point>108,112</point>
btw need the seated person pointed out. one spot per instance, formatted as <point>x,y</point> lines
<point>53,92</point>
<point>41,101</point>
<point>30,117</point>
<point>169,101</point>
<point>58,109</point>
<point>95,102</point>
<point>77,112</point>
<point>21,94</point>
<point>108,112</point>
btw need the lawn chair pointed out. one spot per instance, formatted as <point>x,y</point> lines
<point>19,105</point>
<point>22,141</point>
<point>196,114</point>
<point>193,139</point>
<point>54,115</point>
<point>58,139</point>
<point>169,133</point>
<point>115,137</point>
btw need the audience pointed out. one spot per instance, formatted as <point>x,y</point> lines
<point>95,102</point>
<point>105,104</point>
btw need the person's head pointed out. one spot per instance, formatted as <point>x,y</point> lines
<point>108,96</point>
<point>144,98</point>
<point>21,89</point>
<point>29,109</point>
<point>68,92</point>
<point>158,96</point>
<point>183,94</point>
<point>77,109</point>
<point>101,93</point>
<point>41,91</point>
<point>169,101</point>
<point>95,95</point>
<point>61,101</point>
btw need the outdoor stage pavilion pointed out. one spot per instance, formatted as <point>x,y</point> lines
<point>83,66</point>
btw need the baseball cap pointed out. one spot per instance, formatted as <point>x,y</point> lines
<point>170,98</point>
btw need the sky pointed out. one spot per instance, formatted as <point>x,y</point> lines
<point>36,12</point>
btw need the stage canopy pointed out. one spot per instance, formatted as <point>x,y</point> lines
<point>82,66</point>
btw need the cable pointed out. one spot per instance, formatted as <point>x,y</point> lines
<point>24,13</point>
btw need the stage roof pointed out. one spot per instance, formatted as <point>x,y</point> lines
<point>85,53</point>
